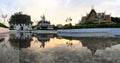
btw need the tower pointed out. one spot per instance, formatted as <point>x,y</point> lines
<point>43,17</point>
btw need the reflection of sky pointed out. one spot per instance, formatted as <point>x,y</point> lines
<point>56,50</point>
<point>7,52</point>
<point>56,42</point>
<point>66,54</point>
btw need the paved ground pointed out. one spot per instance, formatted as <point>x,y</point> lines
<point>3,32</point>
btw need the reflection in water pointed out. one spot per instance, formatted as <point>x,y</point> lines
<point>48,48</point>
<point>21,40</point>
<point>96,43</point>
<point>3,44</point>
<point>2,39</point>
<point>7,53</point>
<point>43,39</point>
<point>69,43</point>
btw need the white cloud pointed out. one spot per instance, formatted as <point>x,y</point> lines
<point>58,10</point>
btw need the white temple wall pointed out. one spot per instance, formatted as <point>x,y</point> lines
<point>24,26</point>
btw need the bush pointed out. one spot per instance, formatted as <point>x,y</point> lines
<point>11,28</point>
<point>94,26</point>
<point>2,25</point>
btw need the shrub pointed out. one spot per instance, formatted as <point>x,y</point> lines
<point>94,26</point>
<point>2,25</point>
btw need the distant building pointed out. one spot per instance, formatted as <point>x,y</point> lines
<point>44,24</point>
<point>59,25</point>
<point>96,18</point>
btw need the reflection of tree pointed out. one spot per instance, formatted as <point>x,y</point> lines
<point>95,43</point>
<point>3,44</point>
<point>69,43</point>
<point>20,40</point>
<point>2,39</point>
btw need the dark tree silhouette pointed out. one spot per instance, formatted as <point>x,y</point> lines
<point>115,19</point>
<point>18,18</point>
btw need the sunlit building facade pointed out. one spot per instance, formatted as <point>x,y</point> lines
<point>96,18</point>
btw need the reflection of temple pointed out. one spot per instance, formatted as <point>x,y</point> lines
<point>43,38</point>
<point>21,40</point>
<point>95,44</point>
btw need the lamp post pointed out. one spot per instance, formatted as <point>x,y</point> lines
<point>69,19</point>
<point>4,16</point>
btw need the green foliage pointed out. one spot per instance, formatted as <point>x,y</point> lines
<point>2,25</point>
<point>67,26</point>
<point>11,28</point>
<point>19,18</point>
<point>54,27</point>
<point>42,28</point>
<point>93,26</point>
<point>89,22</point>
<point>115,19</point>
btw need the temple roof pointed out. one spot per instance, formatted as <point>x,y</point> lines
<point>92,13</point>
<point>43,20</point>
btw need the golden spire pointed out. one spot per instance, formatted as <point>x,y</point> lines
<point>43,17</point>
<point>92,7</point>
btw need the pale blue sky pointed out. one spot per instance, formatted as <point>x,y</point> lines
<point>56,11</point>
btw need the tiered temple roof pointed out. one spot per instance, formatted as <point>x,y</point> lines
<point>96,18</point>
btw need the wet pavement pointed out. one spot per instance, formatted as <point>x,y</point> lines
<point>50,48</point>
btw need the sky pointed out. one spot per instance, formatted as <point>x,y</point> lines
<point>57,11</point>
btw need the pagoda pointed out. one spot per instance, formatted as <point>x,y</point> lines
<point>43,23</point>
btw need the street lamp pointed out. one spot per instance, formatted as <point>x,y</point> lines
<point>69,19</point>
<point>4,17</point>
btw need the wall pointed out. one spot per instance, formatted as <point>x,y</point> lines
<point>94,32</point>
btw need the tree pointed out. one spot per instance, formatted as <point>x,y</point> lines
<point>69,19</point>
<point>115,19</point>
<point>2,25</point>
<point>18,18</point>
<point>89,22</point>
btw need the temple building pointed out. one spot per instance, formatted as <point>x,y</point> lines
<point>44,24</point>
<point>96,18</point>
<point>22,26</point>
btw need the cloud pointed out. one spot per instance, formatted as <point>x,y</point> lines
<point>58,10</point>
